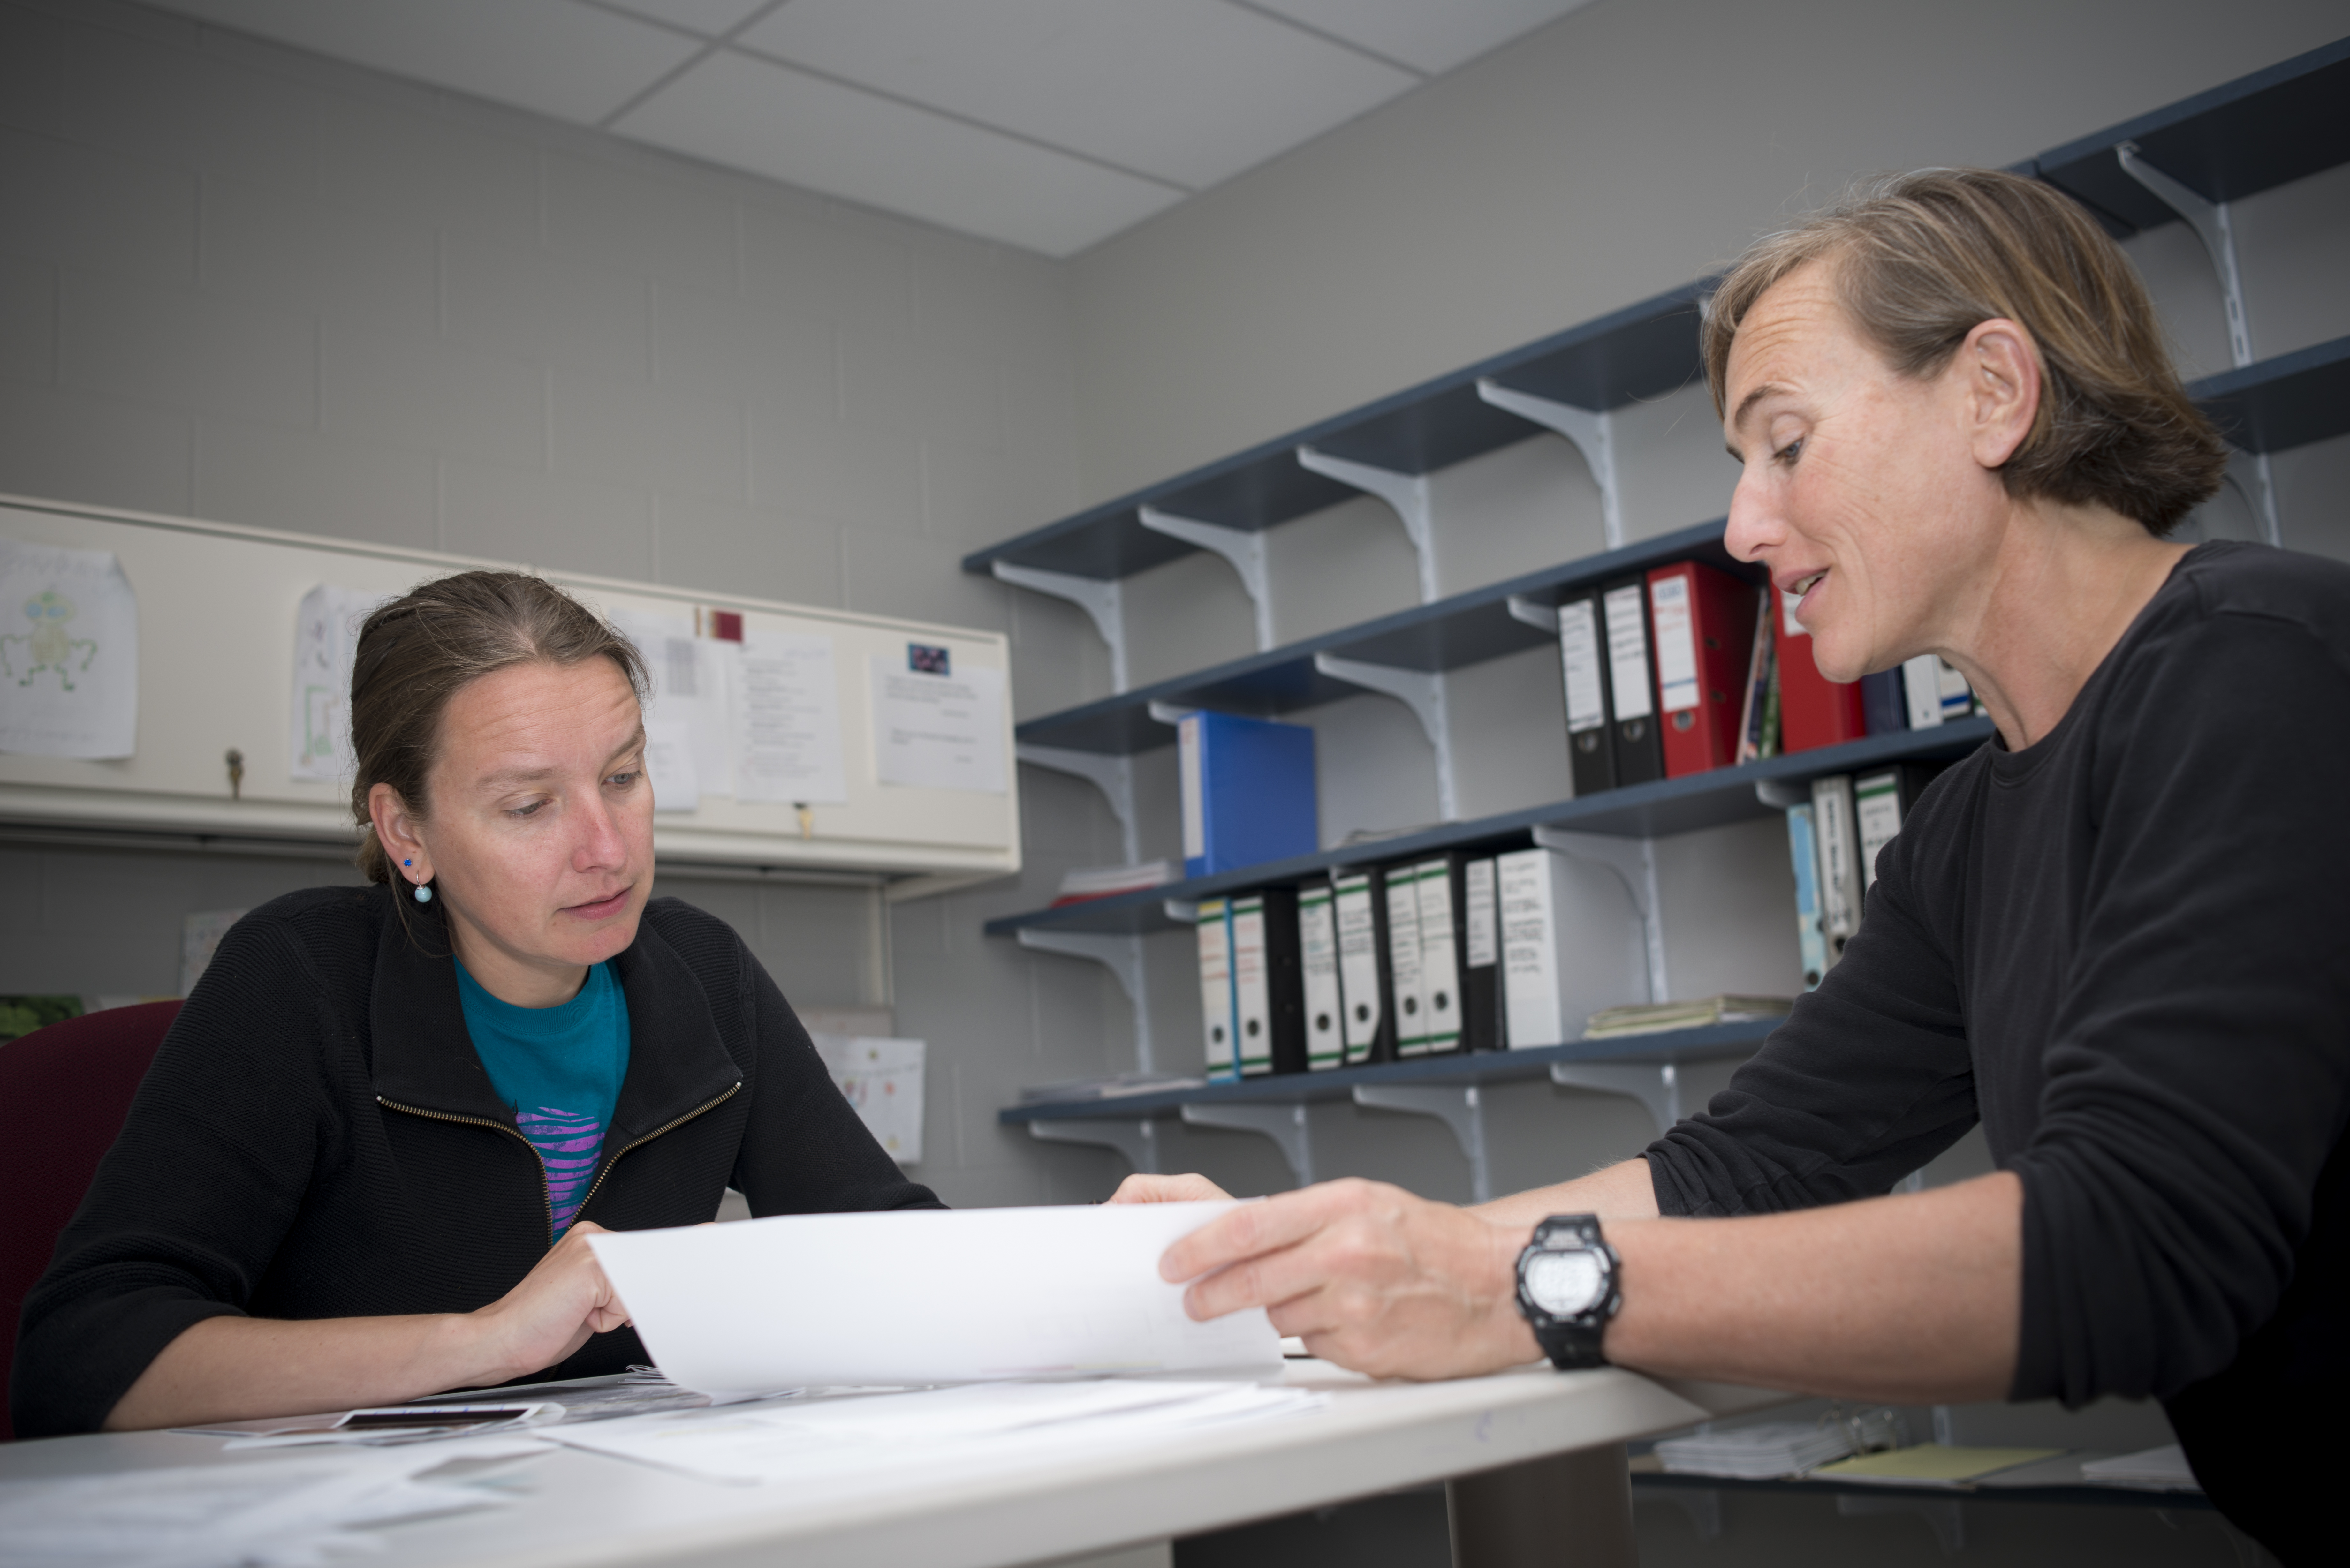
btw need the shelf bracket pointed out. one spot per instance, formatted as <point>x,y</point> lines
<point>1285,1124</point>
<point>1245,549</point>
<point>2217,230</point>
<point>1534,613</point>
<point>1138,1140</point>
<point>1634,861</point>
<point>1122,956</point>
<point>1422,692</point>
<point>1168,713</point>
<point>1462,1109</point>
<point>1102,598</point>
<point>1114,777</point>
<point>1656,1086</point>
<point>1594,435</point>
<point>1405,494</point>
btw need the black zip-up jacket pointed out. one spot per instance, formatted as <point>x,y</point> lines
<point>318,1138</point>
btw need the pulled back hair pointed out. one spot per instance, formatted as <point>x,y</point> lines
<point>420,650</point>
<point>1920,260</point>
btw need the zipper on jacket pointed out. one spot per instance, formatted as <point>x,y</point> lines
<point>597,1185</point>
<point>546,1191</point>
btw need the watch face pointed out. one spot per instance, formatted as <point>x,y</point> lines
<point>1564,1283</point>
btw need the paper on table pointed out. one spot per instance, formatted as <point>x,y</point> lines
<point>837,1441</point>
<point>1932,1464</point>
<point>787,722</point>
<point>69,653</point>
<point>939,732</point>
<point>923,1296</point>
<point>325,638</point>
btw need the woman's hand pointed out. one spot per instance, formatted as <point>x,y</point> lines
<point>1141,1188</point>
<point>1370,1277</point>
<point>551,1313</point>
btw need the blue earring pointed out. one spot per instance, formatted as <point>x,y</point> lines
<point>408,863</point>
<point>423,894</point>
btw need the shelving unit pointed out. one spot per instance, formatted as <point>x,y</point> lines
<point>2185,162</point>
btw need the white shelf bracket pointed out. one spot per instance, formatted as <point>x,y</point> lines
<point>1462,1109</point>
<point>1656,1086</point>
<point>1420,690</point>
<point>1104,599</point>
<point>1634,860</point>
<point>1285,1124</point>
<point>1168,713</point>
<point>1534,613</point>
<point>1241,546</point>
<point>1405,494</point>
<point>1594,435</point>
<point>1138,1140</point>
<point>2217,230</point>
<point>1122,956</point>
<point>1114,777</point>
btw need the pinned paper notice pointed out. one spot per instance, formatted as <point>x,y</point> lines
<point>787,722</point>
<point>326,641</point>
<point>68,653</point>
<point>882,1079</point>
<point>938,731</point>
<point>669,766</point>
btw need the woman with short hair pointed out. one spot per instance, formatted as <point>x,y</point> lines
<point>2112,935</point>
<point>367,1157</point>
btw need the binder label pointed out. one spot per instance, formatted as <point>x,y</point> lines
<point>1317,947</point>
<point>1195,812</point>
<point>1403,963</point>
<point>1668,602</point>
<point>1216,990</point>
<point>1482,937</point>
<point>1578,648</point>
<point>1628,652</point>
<point>1440,963</point>
<point>1877,801</point>
<point>1358,966</point>
<point>1252,988</point>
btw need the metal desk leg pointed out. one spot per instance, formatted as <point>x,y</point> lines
<point>1570,1511</point>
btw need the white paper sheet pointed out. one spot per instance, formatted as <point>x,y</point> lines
<point>669,766</point>
<point>882,1079</point>
<point>325,638</point>
<point>923,1296</point>
<point>68,653</point>
<point>787,722</point>
<point>836,1443</point>
<point>938,731</point>
<point>686,718</point>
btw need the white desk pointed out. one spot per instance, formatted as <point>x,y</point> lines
<point>585,1511</point>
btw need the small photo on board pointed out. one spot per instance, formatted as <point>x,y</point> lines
<point>923,659</point>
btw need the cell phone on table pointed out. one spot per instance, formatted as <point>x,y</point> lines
<point>434,1416</point>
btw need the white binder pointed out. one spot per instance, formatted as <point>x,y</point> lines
<point>1216,990</point>
<point>1318,947</point>
<point>1404,960</point>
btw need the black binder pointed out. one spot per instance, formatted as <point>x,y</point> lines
<point>1639,746</point>
<point>1484,1011</point>
<point>1583,664</point>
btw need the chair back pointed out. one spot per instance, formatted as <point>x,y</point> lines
<point>64,1092</point>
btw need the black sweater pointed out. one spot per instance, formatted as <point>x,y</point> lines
<point>317,1138</point>
<point>2124,949</point>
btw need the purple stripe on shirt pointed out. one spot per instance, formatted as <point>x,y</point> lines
<point>556,1133</point>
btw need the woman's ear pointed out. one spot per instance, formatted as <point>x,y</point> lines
<point>395,829</point>
<point>2002,385</point>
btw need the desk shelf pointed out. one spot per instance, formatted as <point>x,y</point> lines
<point>1641,811</point>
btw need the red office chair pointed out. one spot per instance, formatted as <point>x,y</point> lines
<point>64,1091</point>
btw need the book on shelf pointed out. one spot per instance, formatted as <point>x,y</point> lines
<point>1248,791</point>
<point>1090,882</point>
<point>1662,1017</point>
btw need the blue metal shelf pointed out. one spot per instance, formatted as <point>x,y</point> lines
<point>1471,1067</point>
<point>1643,811</point>
<point>2287,401</point>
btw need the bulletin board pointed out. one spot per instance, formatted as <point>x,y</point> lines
<point>919,786</point>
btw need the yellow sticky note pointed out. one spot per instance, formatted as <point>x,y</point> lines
<point>1932,1464</point>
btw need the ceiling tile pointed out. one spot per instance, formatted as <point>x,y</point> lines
<point>1187,90</point>
<point>574,62</point>
<point>708,17</point>
<point>1432,36</point>
<point>789,126</point>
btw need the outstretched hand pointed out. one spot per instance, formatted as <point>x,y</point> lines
<point>1143,1188</point>
<point>1371,1276</point>
<point>550,1314</point>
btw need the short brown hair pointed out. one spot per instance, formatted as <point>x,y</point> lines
<point>1921,259</point>
<point>420,650</point>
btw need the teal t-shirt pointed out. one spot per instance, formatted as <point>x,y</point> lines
<point>560,1068</point>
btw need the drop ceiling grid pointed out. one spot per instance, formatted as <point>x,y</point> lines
<point>1046,124</point>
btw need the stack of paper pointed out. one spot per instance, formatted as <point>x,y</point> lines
<point>1933,1464</point>
<point>1658,1017</point>
<point>2150,1469</point>
<point>846,1436</point>
<point>1755,1453</point>
<point>1087,882</point>
<point>262,1513</point>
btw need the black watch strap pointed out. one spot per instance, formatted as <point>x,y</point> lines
<point>1573,1340</point>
